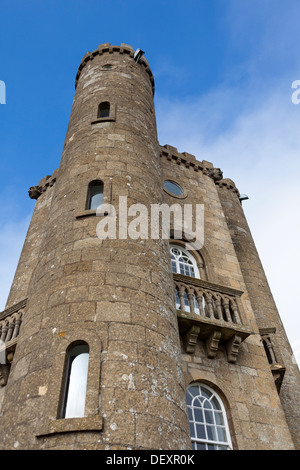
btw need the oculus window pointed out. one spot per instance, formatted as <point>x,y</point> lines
<point>173,188</point>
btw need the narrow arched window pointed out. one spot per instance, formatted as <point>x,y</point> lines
<point>95,194</point>
<point>104,110</point>
<point>75,381</point>
<point>183,262</point>
<point>207,417</point>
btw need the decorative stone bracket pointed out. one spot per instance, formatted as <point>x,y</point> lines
<point>209,312</point>
<point>10,322</point>
<point>273,356</point>
<point>213,333</point>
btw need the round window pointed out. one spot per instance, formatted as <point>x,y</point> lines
<point>107,67</point>
<point>173,188</point>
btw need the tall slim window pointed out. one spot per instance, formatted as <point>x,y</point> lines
<point>104,109</point>
<point>207,417</point>
<point>76,381</point>
<point>95,194</point>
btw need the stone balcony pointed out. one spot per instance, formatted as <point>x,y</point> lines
<point>10,322</point>
<point>211,313</point>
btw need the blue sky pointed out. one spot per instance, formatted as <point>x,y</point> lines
<point>228,65</point>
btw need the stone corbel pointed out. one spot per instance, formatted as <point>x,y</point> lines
<point>212,344</point>
<point>5,368</point>
<point>232,348</point>
<point>190,339</point>
<point>4,373</point>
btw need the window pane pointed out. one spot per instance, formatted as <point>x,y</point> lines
<point>192,429</point>
<point>219,418</point>
<point>194,390</point>
<point>196,306</point>
<point>104,109</point>
<point>209,417</point>
<point>96,201</point>
<point>200,428</point>
<point>212,447</point>
<point>211,433</point>
<point>205,392</point>
<point>221,434</point>
<point>188,398</point>
<point>77,380</point>
<point>95,195</point>
<point>207,404</point>
<point>199,446</point>
<point>177,300</point>
<point>186,303</point>
<point>198,415</point>
<point>215,404</point>
<point>173,188</point>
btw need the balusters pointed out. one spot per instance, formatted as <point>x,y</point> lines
<point>227,309</point>
<point>235,312</point>
<point>206,303</point>
<point>9,327</point>
<point>191,296</point>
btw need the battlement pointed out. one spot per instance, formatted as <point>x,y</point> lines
<point>107,48</point>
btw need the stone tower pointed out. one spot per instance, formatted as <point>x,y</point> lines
<point>97,352</point>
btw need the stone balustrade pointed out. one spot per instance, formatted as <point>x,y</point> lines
<point>10,323</point>
<point>209,312</point>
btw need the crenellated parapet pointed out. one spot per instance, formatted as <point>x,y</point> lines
<point>228,184</point>
<point>107,48</point>
<point>189,161</point>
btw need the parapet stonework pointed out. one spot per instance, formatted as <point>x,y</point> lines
<point>179,349</point>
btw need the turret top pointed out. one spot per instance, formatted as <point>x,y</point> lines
<point>108,48</point>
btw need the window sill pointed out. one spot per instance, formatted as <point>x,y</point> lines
<point>91,212</point>
<point>58,426</point>
<point>177,196</point>
<point>104,119</point>
<point>86,213</point>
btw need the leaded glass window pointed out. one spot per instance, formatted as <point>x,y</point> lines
<point>183,262</point>
<point>207,418</point>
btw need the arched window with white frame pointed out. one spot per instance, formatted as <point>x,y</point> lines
<point>207,417</point>
<point>183,262</point>
<point>75,381</point>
